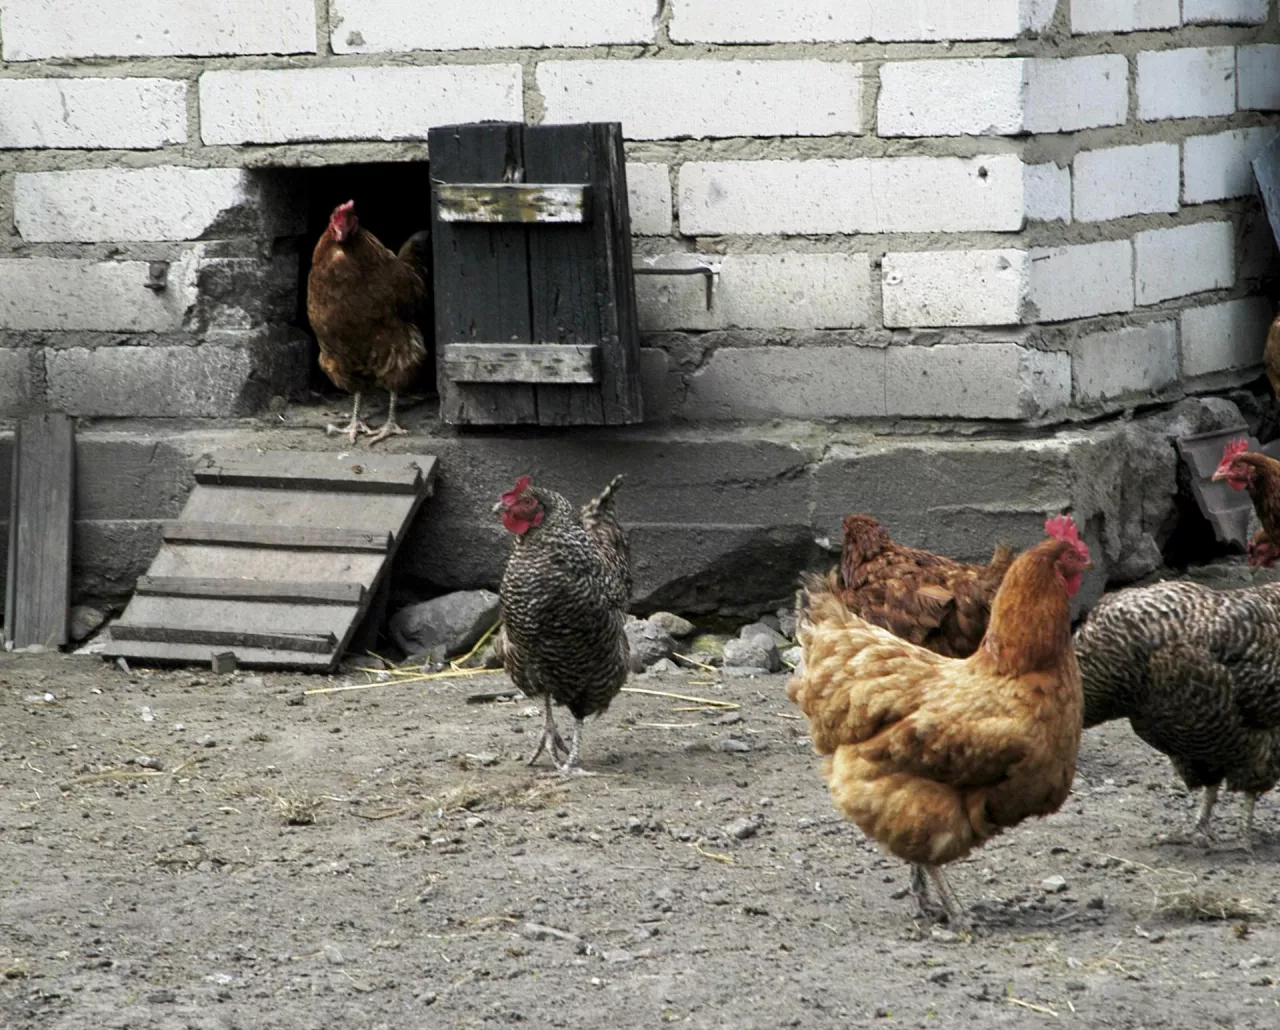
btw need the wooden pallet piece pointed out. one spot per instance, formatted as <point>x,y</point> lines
<point>276,557</point>
<point>38,577</point>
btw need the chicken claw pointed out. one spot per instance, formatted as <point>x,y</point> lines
<point>390,427</point>
<point>352,429</point>
<point>552,743</point>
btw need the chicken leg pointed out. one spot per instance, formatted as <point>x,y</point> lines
<point>551,741</point>
<point>353,428</point>
<point>1246,819</point>
<point>571,765</point>
<point>929,909</point>
<point>390,427</point>
<point>955,912</point>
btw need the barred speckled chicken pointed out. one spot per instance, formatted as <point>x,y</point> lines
<point>1197,673</point>
<point>564,594</point>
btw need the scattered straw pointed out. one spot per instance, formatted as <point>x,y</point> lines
<point>298,809</point>
<point>400,680</point>
<point>693,661</point>
<point>703,702</point>
<point>1032,1006</point>
<point>713,855</point>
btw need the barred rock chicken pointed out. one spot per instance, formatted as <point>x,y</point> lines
<point>365,305</point>
<point>1243,469</point>
<point>929,755</point>
<point>564,595</point>
<point>925,598</point>
<point>1197,674</point>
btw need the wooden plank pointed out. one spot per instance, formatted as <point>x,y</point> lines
<point>526,203</point>
<point>238,589</point>
<point>38,580</point>
<point>307,643</point>
<point>301,470</point>
<point>310,509</point>
<point>202,561</point>
<point>243,534</point>
<point>522,362</point>
<point>481,273</point>
<point>246,658</point>
<point>620,388</point>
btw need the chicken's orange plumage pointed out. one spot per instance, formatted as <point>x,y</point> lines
<point>1243,469</point>
<point>929,755</point>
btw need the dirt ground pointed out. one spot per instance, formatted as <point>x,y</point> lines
<point>183,850</point>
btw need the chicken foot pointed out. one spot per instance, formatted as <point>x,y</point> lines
<point>353,428</point>
<point>551,741</point>
<point>390,427</point>
<point>955,911</point>
<point>572,766</point>
<point>929,909</point>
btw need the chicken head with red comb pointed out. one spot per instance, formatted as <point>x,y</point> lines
<point>520,508</point>
<point>343,222</point>
<point>1073,562</point>
<point>1238,474</point>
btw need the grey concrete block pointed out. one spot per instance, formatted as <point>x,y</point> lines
<point>20,387</point>
<point>129,476</point>
<point>975,380</point>
<point>108,556</point>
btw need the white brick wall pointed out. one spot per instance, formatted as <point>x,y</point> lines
<point>955,287</point>
<point>140,114</point>
<point>1048,193</point>
<point>910,194</point>
<point>1135,359</point>
<point>57,293</point>
<point>1218,166</point>
<point>163,203</point>
<point>1001,96</point>
<point>1235,12</point>
<point>1123,15</point>
<point>1194,82</point>
<point>367,26</point>
<point>649,198</point>
<point>788,382</point>
<point>1259,70</point>
<point>1183,260</point>
<point>975,380</point>
<point>1081,281</point>
<point>673,99</point>
<point>353,103</point>
<point>91,28</point>
<point>1221,337</point>
<point>1119,181</point>
<point>788,291</point>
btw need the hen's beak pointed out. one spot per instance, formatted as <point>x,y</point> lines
<point>1089,565</point>
<point>498,508</point>
<point>1218,476</point>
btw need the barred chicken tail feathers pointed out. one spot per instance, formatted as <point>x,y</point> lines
<point>598,507</point>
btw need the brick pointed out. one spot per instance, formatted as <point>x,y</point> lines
<point>353,103</point>
<point>1194,82</point>
<point>802,382</point>
<point>1069,94</point>
<point>162,203</point>
<point>1183,260</point>
<point>19,388</point>
<point>92,114</point>
<point>379,26</point>
<point>1135,359</point>
<point>1218,166</point>
<point>975,380</point>
<point>1259,71</point>
<point>907,194</point>
<point>1123,15</point>
<point>1048,193</point>
<point>673,99</point>
<point>1080,281</point>
<point>35,29</point>
<point>65,293</point>
<point>1222,337</point>
<point>649,199</point>
<point>1229,12</point>
<point>1119,181</point>
<point>955,287</point>
<point>758,291</point>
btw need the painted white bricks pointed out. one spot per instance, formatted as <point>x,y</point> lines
<point>1119,181</point>
<point>788,382</point>
<point>93,114</point>
<point>1222,337</point>
<point>955,287</point>
<point>1183,260</point>
<point>1081,281</point>
<point>791,291</point>
<point>63,293</point>
<point>368,26</point>
<point>649,198</point>
<point>1193,82</point>
<point>1135,359</point>
<point>1233,12</point>
<point>1259,71</point>
<point>1217,166</point>
<point>673,99</point>
<point>387,103</point>
<point>909,194</point>
<point>36,29</point>
<point>1069,94</point>
<point>1123,15</point>
<point>975,380</point>
<point>1048,193</point>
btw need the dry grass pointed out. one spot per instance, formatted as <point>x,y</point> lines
<point>1178,894</point>
<point>476,794</point>
<point>298,809</point>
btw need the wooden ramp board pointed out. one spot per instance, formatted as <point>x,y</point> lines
<point>276,557</point>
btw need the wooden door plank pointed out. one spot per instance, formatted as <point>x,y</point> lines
<point>491,202</point>
<point>247,616</point>
<point>246,657</point>
<point>240,589</point>
<point>481,273</point>
<point>319,471</point>
<point>215,637</point>
<point>217,560</point>
<point>370,513</point>
<point>242,534</point>
<point>38,580</point>
<point>522,362</point>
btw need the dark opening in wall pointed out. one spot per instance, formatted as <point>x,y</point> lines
<point>393,201</point>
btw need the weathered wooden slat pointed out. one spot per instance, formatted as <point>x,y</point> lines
<point>244,534</point>
<point>522,362</point>
<point>301,470</point>
<point>525,203</point>
<point>320,643</point>
<point>246,657</point>
<point>237,589</point>
<point>38,581</point>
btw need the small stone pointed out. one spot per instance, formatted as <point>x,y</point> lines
<point>636,826</point>
<point>473,822</point>
<point>147,714</point>
<point>662,665</point>
<point>618,956</point>
<point>787,622</point>
<point>672,624</point>
<point>444,626</point>
<point>162,997</point>
<point>744,827</point>
<point>147,762</point>
<point>944,936</point>
<point>649,644</point>
<point>793,657</point>
<point>206,741</point>
<point>333,955</point>
<point>1097,903</point>
<point>1053,885</point>
<point>754,653</point>
<point>1253,962</point>
<point>482,758</point>
<point>732,745</point>
<point>762,631</point>
<point>83,620</point>
<point>223,662</point>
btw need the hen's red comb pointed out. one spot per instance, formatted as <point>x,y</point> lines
<point>1061,527</point>
<point>522,484</point>
<point>346,208</point>
<point>1235,448</point>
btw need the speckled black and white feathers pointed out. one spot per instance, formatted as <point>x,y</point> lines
<point>564,596</point>
<point>1197,673</point>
